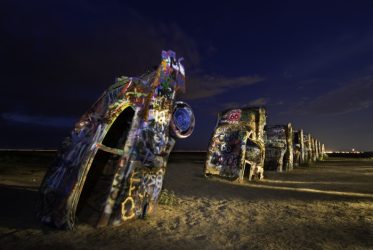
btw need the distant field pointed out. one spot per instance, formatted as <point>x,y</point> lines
<point>352,155</point>
<point>328,205</point>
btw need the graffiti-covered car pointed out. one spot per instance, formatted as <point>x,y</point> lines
<point>236,149</point>
<point>111,167</point>
<point>307,148</point>
<point>279,147</point>
<point>298,146</point>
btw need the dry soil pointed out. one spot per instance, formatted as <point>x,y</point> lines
<point>328,205</point>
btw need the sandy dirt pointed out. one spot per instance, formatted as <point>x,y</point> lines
<point>326,206</point>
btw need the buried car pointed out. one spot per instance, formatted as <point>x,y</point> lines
<point>111,167</point>
<point>237,148</point>
<point>307,149</point>
<point>279,147</point>
<point>298,144</point>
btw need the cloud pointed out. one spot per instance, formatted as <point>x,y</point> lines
<point>56,122</point>
<point>214,109</point>
<point>256,102</point>
<point>201,86</point>
<point>353,96</point>
<point>68,61</point>
<point>259,102</point>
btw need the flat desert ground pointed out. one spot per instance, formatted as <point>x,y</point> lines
<point>328,205</point>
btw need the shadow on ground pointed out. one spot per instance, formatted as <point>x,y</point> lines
<point>325,206</point>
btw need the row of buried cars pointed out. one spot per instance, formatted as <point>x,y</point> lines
<point>243,146</point>
<point>111,167</point>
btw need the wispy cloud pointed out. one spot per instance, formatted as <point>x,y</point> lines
<point>353,96</point>
<point>200,86</point>
<point>262,101</point>
<point>229,105</point>
<point>232,105</point>
<point>56,122</point>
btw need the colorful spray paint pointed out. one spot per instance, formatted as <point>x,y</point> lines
<point>279,148</point>
<point>115,158</point>
<point>236,148</point>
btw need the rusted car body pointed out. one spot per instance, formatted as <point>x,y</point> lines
<point>279,148</point>
<point>308,153</point>
<point>298,144</point>
<point>237,148</point>
<point>111,167</point>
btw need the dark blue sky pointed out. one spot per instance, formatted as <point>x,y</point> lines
<point>308,62</point>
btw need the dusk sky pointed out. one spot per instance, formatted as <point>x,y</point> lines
<point>308,62</point>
